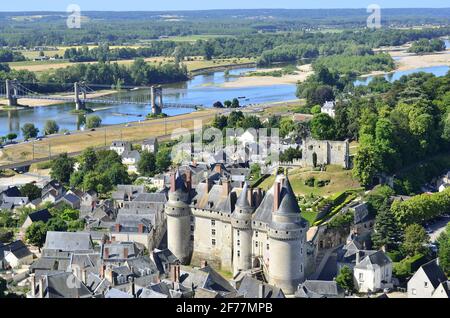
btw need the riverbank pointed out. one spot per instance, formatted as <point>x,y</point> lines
<point>102,137</point>
<point>302,73</point>
<point>409,61</point>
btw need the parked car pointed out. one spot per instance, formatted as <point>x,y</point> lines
<point>67,133</point>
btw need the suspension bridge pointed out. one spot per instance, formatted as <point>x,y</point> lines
<point>82,93</point>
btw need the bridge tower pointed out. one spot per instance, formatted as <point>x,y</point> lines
<point>79,104</point>
<point>11,92</point>
<point>156,93</point>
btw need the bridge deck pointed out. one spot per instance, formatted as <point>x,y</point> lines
<point>102,101</point>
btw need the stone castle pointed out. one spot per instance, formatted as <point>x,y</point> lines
<point>238,229</point>
<point>326,152</point>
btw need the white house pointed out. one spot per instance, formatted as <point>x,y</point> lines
<point>373,273</point>
<point>329,108</point>
<point>426,281</point>
<point>442,291</point>
<point>14,255</point>
<point>120,147</point>
<point>131,159</point>
<point>150,145</point>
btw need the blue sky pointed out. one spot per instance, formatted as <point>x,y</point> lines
<point>155,5</point>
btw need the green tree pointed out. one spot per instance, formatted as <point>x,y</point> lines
<point>3,287</point>
<point>51,127</point>
<point>287,126</point>
<point>147,165</point>
<point>11,136</point>
<point>36,233</point>
<point>255,171</point>
<point>345,279</point>
<point>208,51</point>
<point>29,131</point>
<point>235,103</point>
<point>251,122</point>
<point>31,191</point>
<point>91,180</point>
<point>56,225</point>
<point>322,127</point>
<point>6,219</point>
<point>62,168</point>
<point>444,250</point>
<point>415,240</point>
<point>387,233</point>
<point>315,110</point>
<point>6,236</point>
<point>93,122</point>
<point>235,118</point>
<point>227,103</point>
<point>163,159</point>
<point>220,122</point>
<point>88,160</point>
<point>366,166</point>
<point>69,215</point>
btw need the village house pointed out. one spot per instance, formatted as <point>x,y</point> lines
<point>373,272</point>
<point>131,159</point>
<point>329,108</point>
<point>319,289</point>
<point>42,215</point>
<point>427,280</point>
<point>14,255</point>
<point>150,145</point>
<point>120,147</point>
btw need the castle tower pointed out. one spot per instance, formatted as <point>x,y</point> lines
<point>287,238</point>
<point>241,221</point>
<point>179,218</point>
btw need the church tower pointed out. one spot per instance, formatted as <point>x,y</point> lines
<point>287,239</point>
<point>241,221</point>
<point>179,218</point>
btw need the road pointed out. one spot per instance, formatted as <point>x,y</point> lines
<point>438,228</point>
<point>21,179</point>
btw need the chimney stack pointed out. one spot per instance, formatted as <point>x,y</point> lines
<point>125,253</point>
<point>140,228</point>
<point>106,253</point>
<point>102,271</point>
<point>218,168</point>
<point>84,276</point>
<point>33,284</point>
<point>117,227</point>
<point>172,182</point>
<point>250,196</point>
<point>276,196</point>
<point>226,185</point>
<point>203,264</point>
<point>41,287</point>
<point>261,290</point>
<point>358,257</point>
<point>189,180</point>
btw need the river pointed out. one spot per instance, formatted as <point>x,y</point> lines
<point>202,89</point>
<point>393,76</point>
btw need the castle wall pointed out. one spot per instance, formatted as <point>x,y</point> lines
<point>328,152</point>
<point>242,253</point>
<point>220,253</point>
<point>286,264</point>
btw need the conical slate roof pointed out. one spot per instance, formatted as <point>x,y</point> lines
<point>288,204</point>
<point>242,201</point>
<point>179,182</point>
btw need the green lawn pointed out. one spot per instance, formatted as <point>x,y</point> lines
<point>340,180</point>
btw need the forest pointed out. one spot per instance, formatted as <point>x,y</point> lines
<point>137,74</point>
